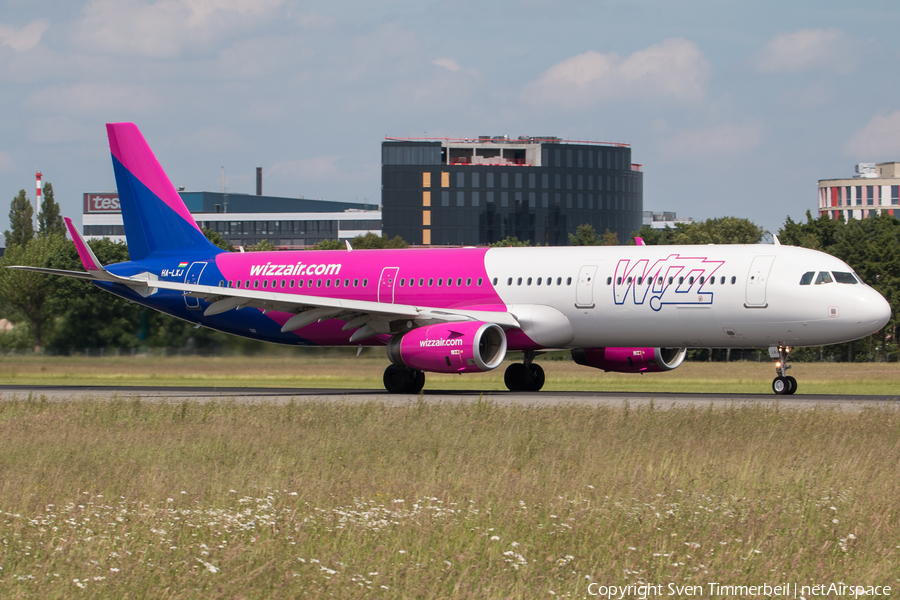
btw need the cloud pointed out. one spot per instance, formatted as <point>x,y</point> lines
<point>92,98</point>
<point>164,28</point>
<point>674,69</point>
<point>447,63</point>
<point>712,141</point>
<point>878,140</point>
<point>25,38</point>
<point>808,50</point>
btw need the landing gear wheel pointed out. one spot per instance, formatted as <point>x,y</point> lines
<point>783,385</point>
<point>520,377</point>
<point>537,377</point>
<point>397,379</point>
<point>792,383</point>
<point>517,377</point>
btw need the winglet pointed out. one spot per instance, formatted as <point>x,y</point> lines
<point>639,241</point>
<point>87,256</point>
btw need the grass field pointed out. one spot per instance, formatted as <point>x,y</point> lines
<point>344,370</point>
<point>110,499</point>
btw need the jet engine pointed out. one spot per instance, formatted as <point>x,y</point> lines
<point>630,360</point>
<point>459,347</point>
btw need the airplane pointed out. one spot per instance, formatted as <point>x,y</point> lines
<point>634,309</point>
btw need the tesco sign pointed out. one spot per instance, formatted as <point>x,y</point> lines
<point>102,203</point>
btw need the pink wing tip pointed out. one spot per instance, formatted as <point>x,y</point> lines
<point>639,241</point>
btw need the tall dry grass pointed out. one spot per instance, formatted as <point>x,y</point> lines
<point>463,500</point>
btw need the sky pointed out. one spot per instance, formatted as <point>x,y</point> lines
<point>734,108</point>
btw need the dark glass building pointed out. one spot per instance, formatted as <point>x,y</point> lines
<point>478,191</point>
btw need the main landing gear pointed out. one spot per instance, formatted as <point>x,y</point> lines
<point>524,377</point>
<point>402,380</point>
<point>782,385</point>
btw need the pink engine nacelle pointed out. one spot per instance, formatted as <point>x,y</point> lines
<point>630,360</point>
<point>461,347</point>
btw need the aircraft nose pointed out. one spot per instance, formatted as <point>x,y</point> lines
<point>871,310</point>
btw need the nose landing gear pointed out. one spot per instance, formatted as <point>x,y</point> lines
<point>782,384</point>
<point>524,377</point>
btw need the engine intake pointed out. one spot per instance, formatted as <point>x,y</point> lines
<point>463,347</point>
<point>630,360</point>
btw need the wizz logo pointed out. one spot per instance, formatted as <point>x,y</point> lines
<point>672,280</point>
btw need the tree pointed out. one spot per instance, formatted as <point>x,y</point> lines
<point>262,246</point>
<point>49,221</point>
<point>513,241</point>
<point>367,241</point>
<point>26,291</point>
<point>585,236</point>
<point>723,230</point>
<point>20,220</point>
<point>216,238</point>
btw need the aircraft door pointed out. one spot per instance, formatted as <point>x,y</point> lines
<point>584,289</point>
<point>193,277</point>
<point>757,279</point>
<point>386,284</point>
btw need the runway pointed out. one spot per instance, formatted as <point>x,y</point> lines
<point>659,400</point>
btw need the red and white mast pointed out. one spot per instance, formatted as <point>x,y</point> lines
<point>37,198</point>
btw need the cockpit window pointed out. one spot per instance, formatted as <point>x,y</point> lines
<point>843,277</point>
<point>807,278</point>
<point>823,277</point>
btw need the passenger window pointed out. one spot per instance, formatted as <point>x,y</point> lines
<point>640,280</point>
<point>346,283</point>
<point>519,281</point>
<point>493,281</point>
<point>238,282</point>
<point>299,283</point>
<point>568,281</point>
<point>292,284</point>
<point>529,281</point>
<point>256,284</point>
<point>356,283</point>
<point>480,279</point>
<point>509,281</point>
<point>841,277</point>
<point>608,280</point>
<point>327,283</point>
<point>823,277</point>
<point>468,281</point>
<point>807,278</point>
<point>691,280</point>
<point>337,283</point>
<point>559,281</point>
<point>402,282</point>
<point>733,280</point>
<point>282,283</point>
<point>440,281</point>
<point>538,282</point>
<point>365,282</point>
<point>430,281</point>
<point>318,283</point>
<point>309,283</point>
<point>266,283</point>
<point>459,281</point>
<point>629,281</point>
<point>421,281</point>
<point>618,281</point>
<point>680,280</point>
<point>722,280</point>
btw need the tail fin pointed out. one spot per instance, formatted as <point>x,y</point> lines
<point>156,219</point>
